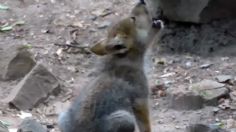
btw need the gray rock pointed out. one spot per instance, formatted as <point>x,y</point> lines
<point>206,40</point>
<point>185,100</point>
<point>210,91</point>
<point>224,78</point>
<point>233,96</point>
<point>195,10</point>
<point>231,27</point>
<point>3,128</point>
<point>233,130</point>
<point>34,88</point>
<point>31,125</point>
<point>205,66</point>
<point>104,24</point>
<point>15,62</point>
<point>203,128</point>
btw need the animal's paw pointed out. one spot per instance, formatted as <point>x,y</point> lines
<point>157,23</point>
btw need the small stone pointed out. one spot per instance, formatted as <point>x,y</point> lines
<point>104,24</point>
<point>183,100</point>
<point>224,78</point>
<point>203,128</point>
<point>168,75</point>
<point>102,12</point>
<point>156,104</point>
<point>92,30</point>
<point>217,120</point>
<point>31,125</point>
<point>10,120</point>
<point>177,127</point>
<point>168,82</point>
<point>230,123</point>
<point>188,64</point>
<point>93,18</point>
<point>45,31</point>
<point>205,66</point>
<point>79,24</point>
<point>3,128</point>
<point>224,58</point>
<point>160,121</point>
<point>51,97</point>
<point>159,61</point>
<point>173,117</point>
<point>216,110</point>
<point>161,93</point>
<point>225,104</point>
<point>233,130</point>
<point>97,12</point>
<point>49,111</point>
<point>24,115</point>
<point>50,126</point>
<point>15,62</point>
<point>233,96</point>
<point>210,91</point>
<point>60,107</point>
<point>157,88</point>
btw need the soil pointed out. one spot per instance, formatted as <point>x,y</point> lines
<point>182,50</point>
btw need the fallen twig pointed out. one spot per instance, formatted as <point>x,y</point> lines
<point>72,46</point>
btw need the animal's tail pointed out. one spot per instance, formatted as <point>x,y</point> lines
<point>120,121</point>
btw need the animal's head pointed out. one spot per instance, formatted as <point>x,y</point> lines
<point>121,39</point>
<point>130,35</point>
<point>142,16</point>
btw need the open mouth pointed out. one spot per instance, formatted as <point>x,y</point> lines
<point>117,49</point>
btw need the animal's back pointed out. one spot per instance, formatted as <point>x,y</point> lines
<point>107,94</point>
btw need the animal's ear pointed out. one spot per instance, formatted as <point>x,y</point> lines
<point>99,48</point>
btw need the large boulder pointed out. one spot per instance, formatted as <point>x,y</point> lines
<point>197,11</point>
<point>34,88</point>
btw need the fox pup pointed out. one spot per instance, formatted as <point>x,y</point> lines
<point>117,100</point>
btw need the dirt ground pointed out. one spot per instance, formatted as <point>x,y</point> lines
<point>51,23</point>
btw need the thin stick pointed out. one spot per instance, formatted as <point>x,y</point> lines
<point>72,46</point>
